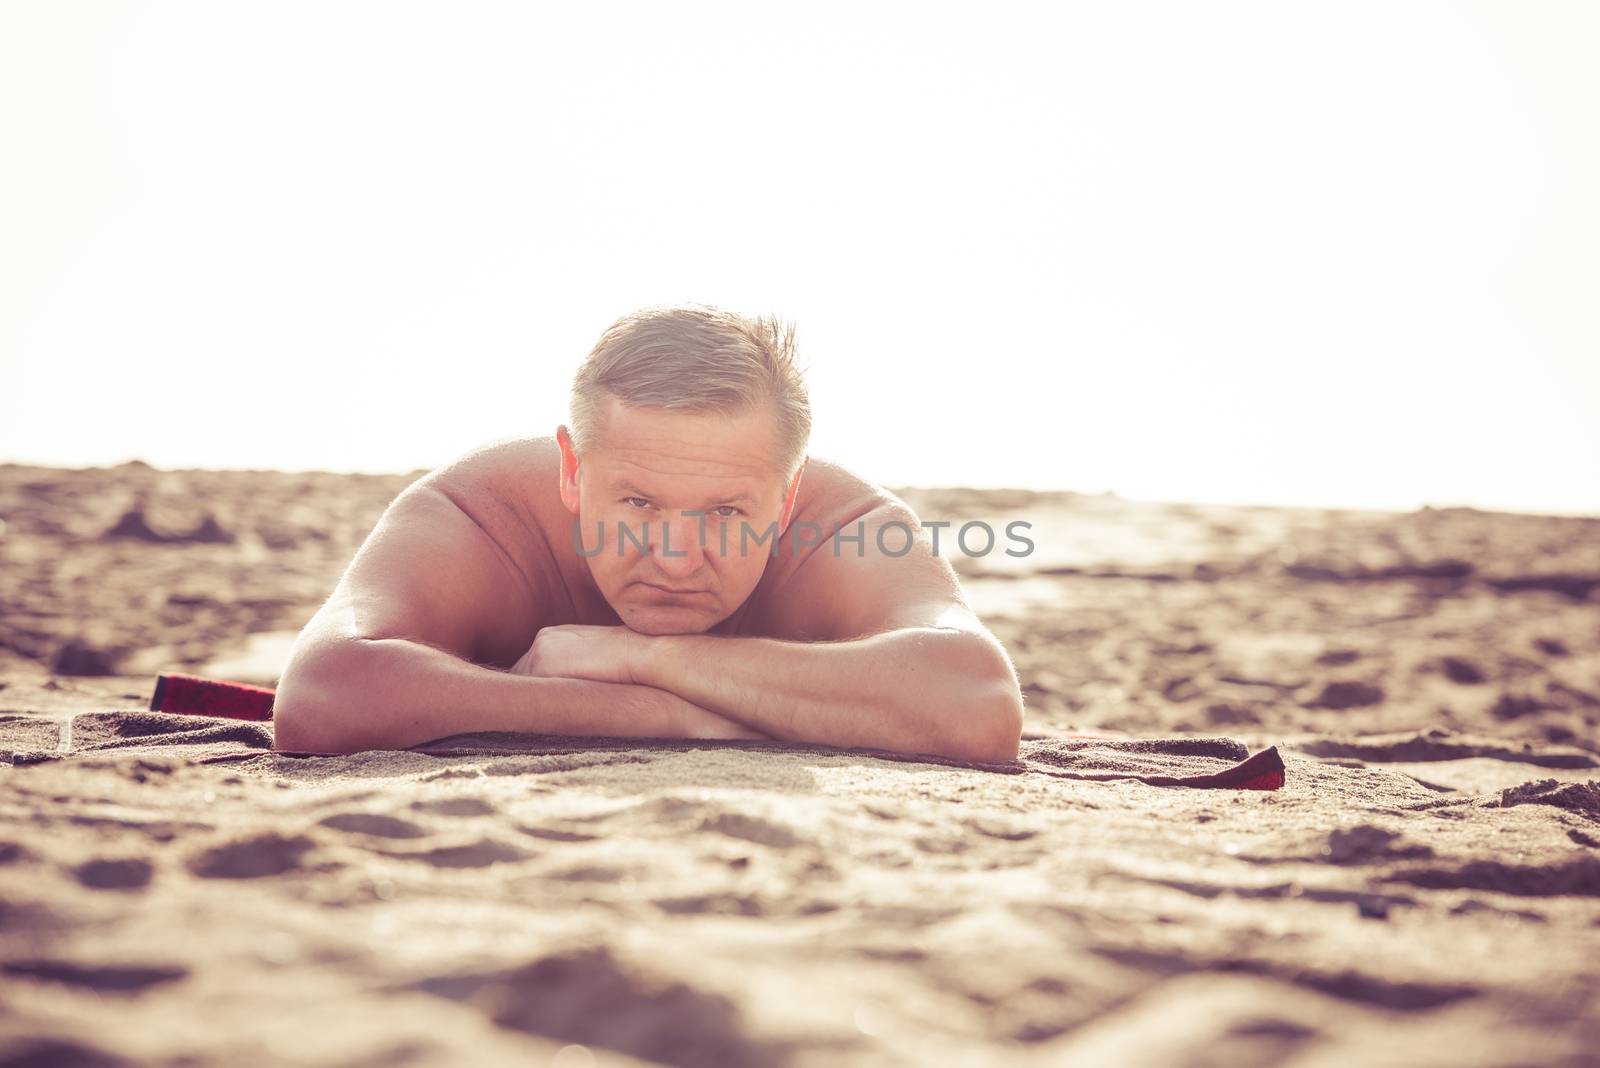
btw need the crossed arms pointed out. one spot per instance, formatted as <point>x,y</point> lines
<point>903,664</point>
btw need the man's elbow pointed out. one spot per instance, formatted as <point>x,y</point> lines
<point>994,728</point>
<point>299,721</point>
<point>990,726</point>
<point>306,717</point>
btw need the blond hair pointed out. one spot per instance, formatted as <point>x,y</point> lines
<point>695,358</point>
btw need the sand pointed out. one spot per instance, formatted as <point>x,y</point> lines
<point>1425,889</point>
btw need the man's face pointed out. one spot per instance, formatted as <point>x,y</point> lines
<point>651,470</point>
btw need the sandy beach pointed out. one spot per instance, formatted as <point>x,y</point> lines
<point>1423,890</point>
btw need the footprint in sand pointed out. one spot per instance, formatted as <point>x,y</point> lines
<point>131,873</point>
<point>103,978</point>
<point>557,834</point>
<point>730,904</point>
<point>252,858</point>
<point>1367,843</point>
<point>1396,995</point>
<point>1349,985</point>
<point>33,918</point>
<point>712,904</point>
<point>1350,693</point>
<point>675,812</point>
<point>455,806</point>
<point>1007,832</point>
<point>752,829</point>
<point>587,873</point>
<point>35,1052</point>
<point>591,997</point>
<point>1581,797</point>
<point>1579,877</point>
<point>374,824</point>
<point>479,854</point>
<point>941,845</point>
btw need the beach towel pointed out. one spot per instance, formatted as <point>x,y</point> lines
<point>1209,763</point>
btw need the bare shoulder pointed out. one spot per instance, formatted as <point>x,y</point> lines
<point>829,491</point>
<point>506,488</point>
<point>510,489</point>
<point>855,560</point>
<point>506,471</point>
<point>448,562</point>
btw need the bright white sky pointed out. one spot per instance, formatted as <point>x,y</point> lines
<point>1333,254</point>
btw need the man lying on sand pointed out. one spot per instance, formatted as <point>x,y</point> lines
<point>659,569</point>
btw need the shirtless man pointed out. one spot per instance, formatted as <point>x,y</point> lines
<point>612,580</point>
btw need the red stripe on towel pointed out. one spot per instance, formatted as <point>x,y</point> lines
<point>191,695</point>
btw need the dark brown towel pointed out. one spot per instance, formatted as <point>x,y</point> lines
<point>1214,763</point>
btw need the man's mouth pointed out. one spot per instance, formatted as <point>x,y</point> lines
<point>670,590</point>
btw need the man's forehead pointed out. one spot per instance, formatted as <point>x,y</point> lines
<point>732,452</point>
<point>653,475</point>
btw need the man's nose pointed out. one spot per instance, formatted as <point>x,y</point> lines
<point>675,545</point>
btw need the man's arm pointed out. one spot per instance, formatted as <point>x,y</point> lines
<point>912,689</point>
<point>904,664</point>
<point>395,693</point>
<point>386,663</point>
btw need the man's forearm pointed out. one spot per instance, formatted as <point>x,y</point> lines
<point>923,689</point>
<point>393,694</point>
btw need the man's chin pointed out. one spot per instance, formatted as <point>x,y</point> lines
<point>661,619</point>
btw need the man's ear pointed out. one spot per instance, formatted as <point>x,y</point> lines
<point>569,469</point>
<point>789,497</point>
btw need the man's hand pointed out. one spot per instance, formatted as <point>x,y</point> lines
<point>945,689</point>
<point>576,651</point>
<point>694,721</point>
<point>612,654</point>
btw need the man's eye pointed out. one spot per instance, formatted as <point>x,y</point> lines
<point>727,511</point>
<point>637,502</point>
